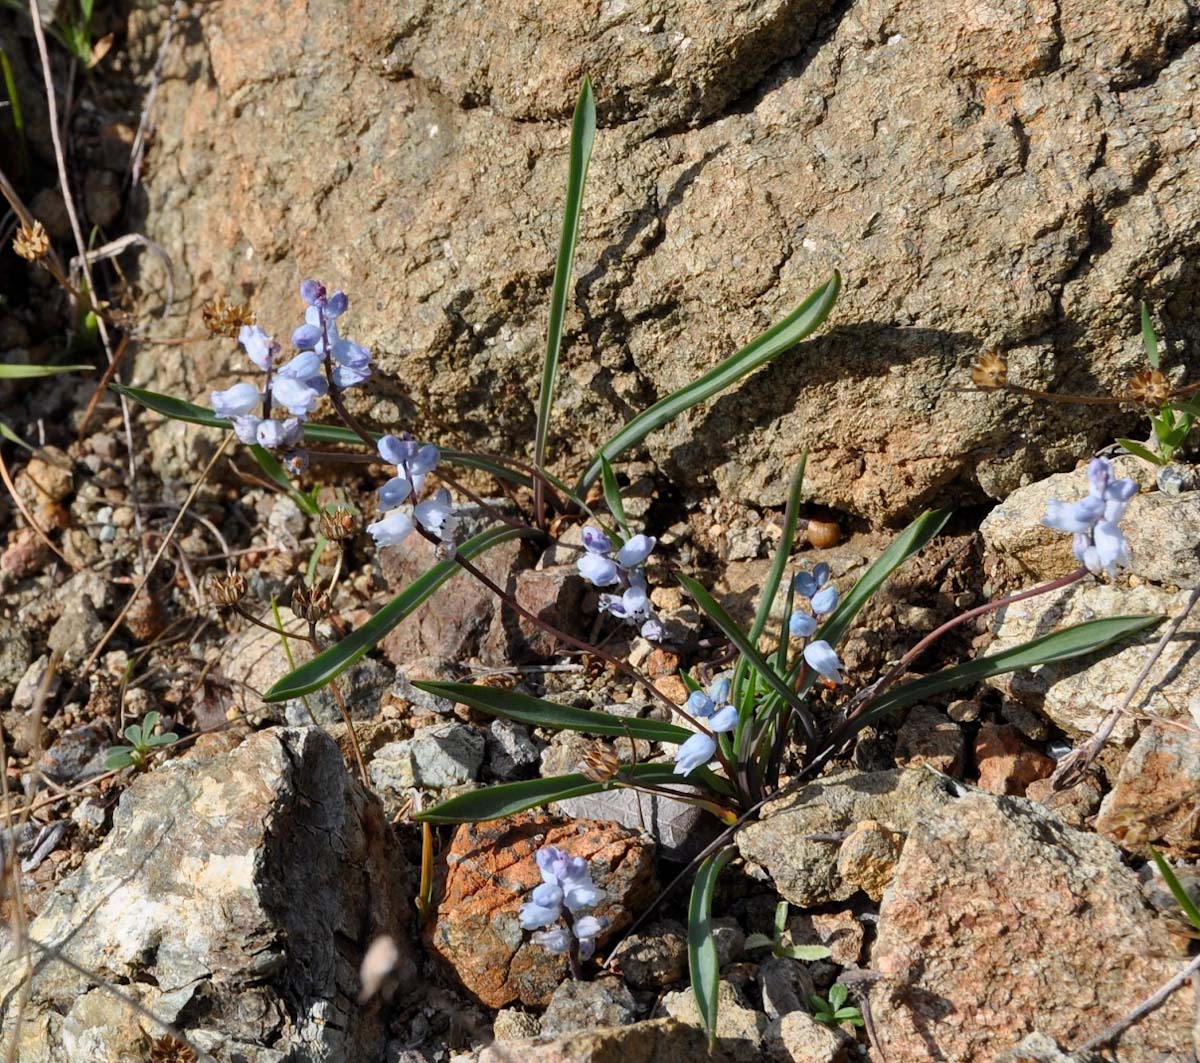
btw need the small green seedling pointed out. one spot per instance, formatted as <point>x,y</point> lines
<point>142,742</point>
<point>776,945</point>
<point>833,1012</point>
<point>1186,905</point>
<point>1173,419</point>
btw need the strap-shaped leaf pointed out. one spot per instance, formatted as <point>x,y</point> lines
<point>495,802</point>
<point>714,611</point>
<point>783,552</point>
<point>28,372</point>
<point>538,712</point>
<point>1075,641</point>
<point>583,134</point>
<point>612,496</point>
<point>1149,339</point>
<point>330,663</point>
<point>801,322</point>
<point>703,964</point>
<point>1182,898</point>
<point>182,410</point>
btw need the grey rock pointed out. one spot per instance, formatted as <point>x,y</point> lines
<point>1039,1048</point>
<point>363,686</point>
<point>680,829</point>
<point>76,632</point>
<point>656,957</point>
<point>438,757</point>
<point>797,838</point>
<point>16,654</point>
<point>1163,541</point>
<point>798,1038</point>
<point>31,684</point>
<point>730,940</point>
<point>786,985</point>
<point>740,1029</point>
<point>512,1024</point>
<point>1077,695</point>
<point>76,754</point>
<point>235,896</point>
<point>511,752</point>
<point>655,1041</point>
<point>587,1005</point>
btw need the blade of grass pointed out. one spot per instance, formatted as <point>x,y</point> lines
<point>1149,339</point>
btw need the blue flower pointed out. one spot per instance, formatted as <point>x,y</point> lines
<point>719,716</point>
<point>566,883</point>
<point>808,583</point>
<point>351,362</point>
<point>391,530</point>
<point>694,753</point>
<point>1094,522</point>
<point>600,569</point>
<point>414,462</point>
<point>823,660</point>
<point>237,401</point>
<point>801,624</point>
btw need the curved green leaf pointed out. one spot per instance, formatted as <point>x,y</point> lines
<point>783,553</point>
<point>329,664</point>
<point>1149,339</point>
<point>714,611</point>
<point>182,410</point>
<point>274,469</point>
<point>1182,898</point>
<point>1075,641</point>
<point>703,965</point>
<point>27,372</point>
<point>540,713</point>
<point>801,322</point>
<point>507,799</point>
<point>612,496</point>
<point>583,133</point>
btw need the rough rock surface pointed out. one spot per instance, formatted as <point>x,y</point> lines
<point>1007,763</point>
<point>654,1041</point>
<point>740,1029</point>
<point>487,875</point>
<point>798,837</point>
<point>992,903</point>
<point>1078,694</point>
<point>235,897</point>
<point>1000,174</point>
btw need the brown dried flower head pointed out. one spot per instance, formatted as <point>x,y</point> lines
<point>167,1049</point>
<point>600,763</point>
<point>1150,388</point>
<point>990,371</point>
<point>338,524</point>
<point>32,242</point>
<point>223,318</point>
<point>228,589</point>
<point>308,603</point>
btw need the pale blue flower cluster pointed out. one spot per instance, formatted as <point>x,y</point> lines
<point>1099,543</point>
<point>296,386</point>
<point>414,461</point>
<point>719,716</point>
<point>566,891</point>
<point>822,599</point>
<point>601,569</point>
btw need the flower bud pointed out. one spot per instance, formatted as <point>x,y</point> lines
<point>226,590</point>
<point>338,524</point>
<point>31,242</point>
<point>600,764</point>
<point>308,603</point>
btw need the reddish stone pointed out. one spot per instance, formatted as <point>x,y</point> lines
<point>487,875</point>
<point>1007,763</point>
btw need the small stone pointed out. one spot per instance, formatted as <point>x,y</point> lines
<point>511,752</point>
<point>76,754</point>
<point>1073,806</point>
<point>445,755</point>
<point>673,688</point>
<point>1007,763</point>
<point>730,940</point>
<point>101,196</point>
<point>30,687</point>
<point>25,556</point>
<point>842,933</point>
<point>785,984</point>
<point>930,737</point>
<point>798,1038</point>
<point>587,1005</point>
<point>655,1041</point>
<point>512,1024</point>
<point>48,477</point>
<point>16,653</point>
<point>76,632</point>
<point>867,858</point>
<point>656,957</point>
<point>740,1029</point>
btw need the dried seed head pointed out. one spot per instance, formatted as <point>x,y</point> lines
<point>226,590</point>
<point>167,1049</point>
<point>338,524</point>
<point>32,242</point>
<point>1150,388</point>
<point>308,603</point>
<point>990,371</point>
<point>222,318</point>
<point>600,763</point>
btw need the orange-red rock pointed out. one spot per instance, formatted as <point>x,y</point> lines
<point>1007,763</point>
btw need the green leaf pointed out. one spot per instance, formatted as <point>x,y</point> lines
<point>850,1015</point>
<point>181,410</point>
<point>1139,451</point>
<point>781,914</point>
<point>27,372</point>
<point>583,134</point>
<point>837,995</point>
<point>783,553</point>
<point>808,953</point>
<point>150,721</point>
<point>1149,339</point>
<point>759,941</point>
<point>702,947</point>
<point>329,664</point>
<point>536,712</point>
<point>274,470</point>
<point>1075,641</point>
<point>118,757</point>
<point>714,611</point>
<point>803,321</point>
<point>817,1003</point>
<point>162,740</point>
<point>612,496</point>
<point>133,735</point>
<point>1182,898</point>
<point>7,432</point>
<point>495,802</point>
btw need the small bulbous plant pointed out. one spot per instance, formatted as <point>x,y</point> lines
<point>754,705</point>
<point>141,744</point>
<point>832,1010</point>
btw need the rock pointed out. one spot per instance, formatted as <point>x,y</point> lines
<point>514,1025</point>
<point>76,754</point>
<point>363,686</point>
<point>16,654</point>
<point>1007,763</point>
<point>655,1041</point>
<point>798,1038</point>
<point>32,683</point>
<point>586,1005</point>
<point>1038,1048</point>
<point>842,932</point>
<point>730,939</point>
<point>1078,694</point>
<point>101,196</point>
<point>785,984</point>
<point>211,904</point>
<point>798,837</point>
<point>1074,806</point>
<point>486,876</point>
<point>993,901</point>
<point>553,595</point>
<point>1154,798</point>
<point>436,758</point>
<point>48,477</point>
<point>929,736</point>
<point>1161,530</point>
<point>654,958</point>
<point>511,752</point>
<point>740,1029</point>
<point>964,711</point>
<point>867,858</point>
<point>424,668</point>
<point>75,633</point>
